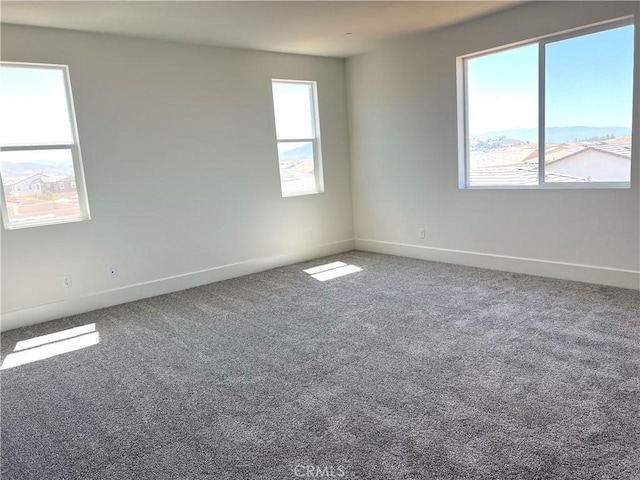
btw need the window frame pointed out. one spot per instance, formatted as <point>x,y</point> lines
<point>315,141</point>
<point>542,42</point>
<point>74,147</point>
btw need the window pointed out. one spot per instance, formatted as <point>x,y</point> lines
<point>572,93</point>
<point>39,145</point>
<point>298,137</point>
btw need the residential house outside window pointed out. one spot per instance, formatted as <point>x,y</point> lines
<point>39,147</point>
<point>570,93</point>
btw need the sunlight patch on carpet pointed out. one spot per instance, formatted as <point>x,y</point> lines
<point>332,270</point>
<point>51,345</point>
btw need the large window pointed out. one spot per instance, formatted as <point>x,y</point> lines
<point>298,137</point>
<point>554,112</point>
<point>40,165</point>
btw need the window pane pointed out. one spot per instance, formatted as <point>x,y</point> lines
<point>293,113</point>
<point>502,114</point>
<point>33,106</point>
<point>297,173</point>
<point>588,107</point>
<point>39,185</point>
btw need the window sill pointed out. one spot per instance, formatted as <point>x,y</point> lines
<point>300,194</point>
<point>43,223</point>
<point>552,186</point>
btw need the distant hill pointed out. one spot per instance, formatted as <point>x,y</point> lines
<point>557,134</point>
<point>17,170</point>
<point>302,152</point>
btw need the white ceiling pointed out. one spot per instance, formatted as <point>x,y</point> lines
<point>304,27</point>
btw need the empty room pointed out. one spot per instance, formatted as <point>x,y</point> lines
<point>320,239</point>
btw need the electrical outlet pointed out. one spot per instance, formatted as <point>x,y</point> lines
<point>66,281</point>
<point>421,233</point>
<point>112,272</point>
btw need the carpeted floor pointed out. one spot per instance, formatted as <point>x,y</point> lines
<point>405,370</point>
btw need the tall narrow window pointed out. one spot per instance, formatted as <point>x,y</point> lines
<point>39,148</point>
<point>557,111</point>
<point>298,137</point>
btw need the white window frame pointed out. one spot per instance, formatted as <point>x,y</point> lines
<point>74,146</point>
<point>315,140</point>
<point>463,109</point>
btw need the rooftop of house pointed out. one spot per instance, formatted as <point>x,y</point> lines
<point>37,176</point>
<point>492,176</point>
<point>559,151</point>
<point>618,148</point>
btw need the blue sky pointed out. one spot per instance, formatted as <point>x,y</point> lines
<point>588,83</point>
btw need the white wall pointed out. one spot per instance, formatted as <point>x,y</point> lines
<point>178,144</point>
<point>404,162</point>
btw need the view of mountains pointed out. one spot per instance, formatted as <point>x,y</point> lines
<point>303,152</point>
<point>15,170</point>
<point>557,134</point>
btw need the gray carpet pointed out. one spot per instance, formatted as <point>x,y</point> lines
<point>405,370</point>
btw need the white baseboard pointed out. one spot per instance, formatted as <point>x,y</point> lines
<point>568,271</point>
<point>544,268</point>
<point>51,311</point>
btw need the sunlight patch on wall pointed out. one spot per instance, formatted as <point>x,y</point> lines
<point>331,270</point>
<point>51,345</point>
